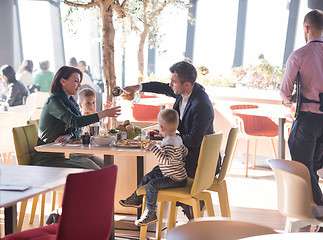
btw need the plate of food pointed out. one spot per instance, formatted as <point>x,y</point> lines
<point>130,143</point>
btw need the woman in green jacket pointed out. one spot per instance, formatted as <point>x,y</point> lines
<point>61,120</point>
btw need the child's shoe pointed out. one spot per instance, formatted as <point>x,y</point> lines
<point>132,201</point>
<point>148,217</point>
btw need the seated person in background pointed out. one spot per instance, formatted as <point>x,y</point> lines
<point>87,81</point>
<point>17,91</point>
<point>61,120</point>
<point>170,172</point>
<point>25,73</point>
<point>44,77</point>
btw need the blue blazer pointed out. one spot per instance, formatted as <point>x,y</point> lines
<point>197,120</point>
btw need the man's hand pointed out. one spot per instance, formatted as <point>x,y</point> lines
<point>132,89</point>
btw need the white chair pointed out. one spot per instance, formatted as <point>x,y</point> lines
<point>295,199</point>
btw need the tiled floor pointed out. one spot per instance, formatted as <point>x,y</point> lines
<point>252,199</point>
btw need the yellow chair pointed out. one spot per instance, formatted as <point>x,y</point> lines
<point>219,184</point>
<point>217,229</point>
<point>35,200</point>
<point>25,139</point>
<point>194,191</point>
<point>295,200</point>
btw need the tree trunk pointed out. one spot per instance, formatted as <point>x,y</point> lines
<point>143,37</point>
<point>108,34</point>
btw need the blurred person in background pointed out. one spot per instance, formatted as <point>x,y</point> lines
<point>72,62</point>
<point>17,91</point>
<point>44,78</point>
<point>87,81</point>
<point>25,72</point>
<point>84,68</point>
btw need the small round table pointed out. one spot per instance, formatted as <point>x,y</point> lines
<point>288,236</point>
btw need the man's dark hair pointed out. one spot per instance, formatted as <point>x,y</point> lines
<point>185,71</point>
<point>314,19</point>
<point>64,72</point>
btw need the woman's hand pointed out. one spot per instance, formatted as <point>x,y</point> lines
<point>63,138</point>
<point>110,112</point>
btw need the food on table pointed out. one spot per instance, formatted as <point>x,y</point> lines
<point>131,143</point>
<point>130,128</point>
<point>155,135</point>
<point>89,112</point>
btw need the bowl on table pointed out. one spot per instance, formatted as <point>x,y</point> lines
<point>103,140</point>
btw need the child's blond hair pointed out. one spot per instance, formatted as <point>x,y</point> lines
<point>168,119</point>
<point>84,93</point>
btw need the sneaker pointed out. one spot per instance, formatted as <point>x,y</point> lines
<point>132,201</point>
<point>148,217</point>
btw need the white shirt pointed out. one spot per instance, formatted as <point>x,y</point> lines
<point>182,105</point>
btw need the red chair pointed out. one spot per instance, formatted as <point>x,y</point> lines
<point>143,112</point>
<point>87,209</point>
<point>254,127</point>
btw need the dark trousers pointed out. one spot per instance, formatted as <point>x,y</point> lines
<point>155,180</point>
<point>306,146</point>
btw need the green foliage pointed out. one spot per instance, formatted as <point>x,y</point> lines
<point>262,76</point>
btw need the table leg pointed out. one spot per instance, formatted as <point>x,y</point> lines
<point>281,139</point>
<point>10,219</point>
<point>109,160</point>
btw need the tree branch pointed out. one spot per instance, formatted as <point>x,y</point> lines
<point>120,9</point>
<point>93,3</point>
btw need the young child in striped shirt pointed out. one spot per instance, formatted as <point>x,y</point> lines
<point>170,171</point>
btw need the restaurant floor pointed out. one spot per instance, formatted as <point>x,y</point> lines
<point>252,199</point>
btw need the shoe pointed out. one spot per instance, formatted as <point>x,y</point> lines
<point>188,211</point>
<point>147,218</point>
<point>132,201</point>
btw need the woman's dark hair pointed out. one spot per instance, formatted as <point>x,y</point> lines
<point>185,71</point>
<point>9,72</point>
<point>64,72</point>
<point>26,65</point>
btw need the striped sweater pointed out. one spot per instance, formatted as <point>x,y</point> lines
<point>170,157</point>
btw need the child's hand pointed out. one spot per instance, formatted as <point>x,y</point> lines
<point>150,144</point>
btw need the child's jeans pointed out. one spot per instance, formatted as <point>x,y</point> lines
<point>155,180</point>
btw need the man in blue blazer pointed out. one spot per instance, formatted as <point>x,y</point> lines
<point>192,104</point>
<point>194,108</point>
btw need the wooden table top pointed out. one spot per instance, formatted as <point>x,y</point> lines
<point>92,149</point>
<point>39,179</point>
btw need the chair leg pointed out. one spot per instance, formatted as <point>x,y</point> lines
<point>255,155</point>
<point>143,229</point>
<point>172,216</point>
<point>234,151</point>
<point>273,147</point>
<point>196,208</point>
<point>224,200</point>
<point>23,206</point>
<point>42,212</point>
<point>33,209</point>
<point>247,159</point>
<point>6,158</point>
<point>159,224</point>
<point>208,204</point>
<point>53,200</point>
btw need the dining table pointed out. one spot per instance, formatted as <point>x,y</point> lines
<point>272,111</point>
<point>109,153</point>
<point>18,183</point>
